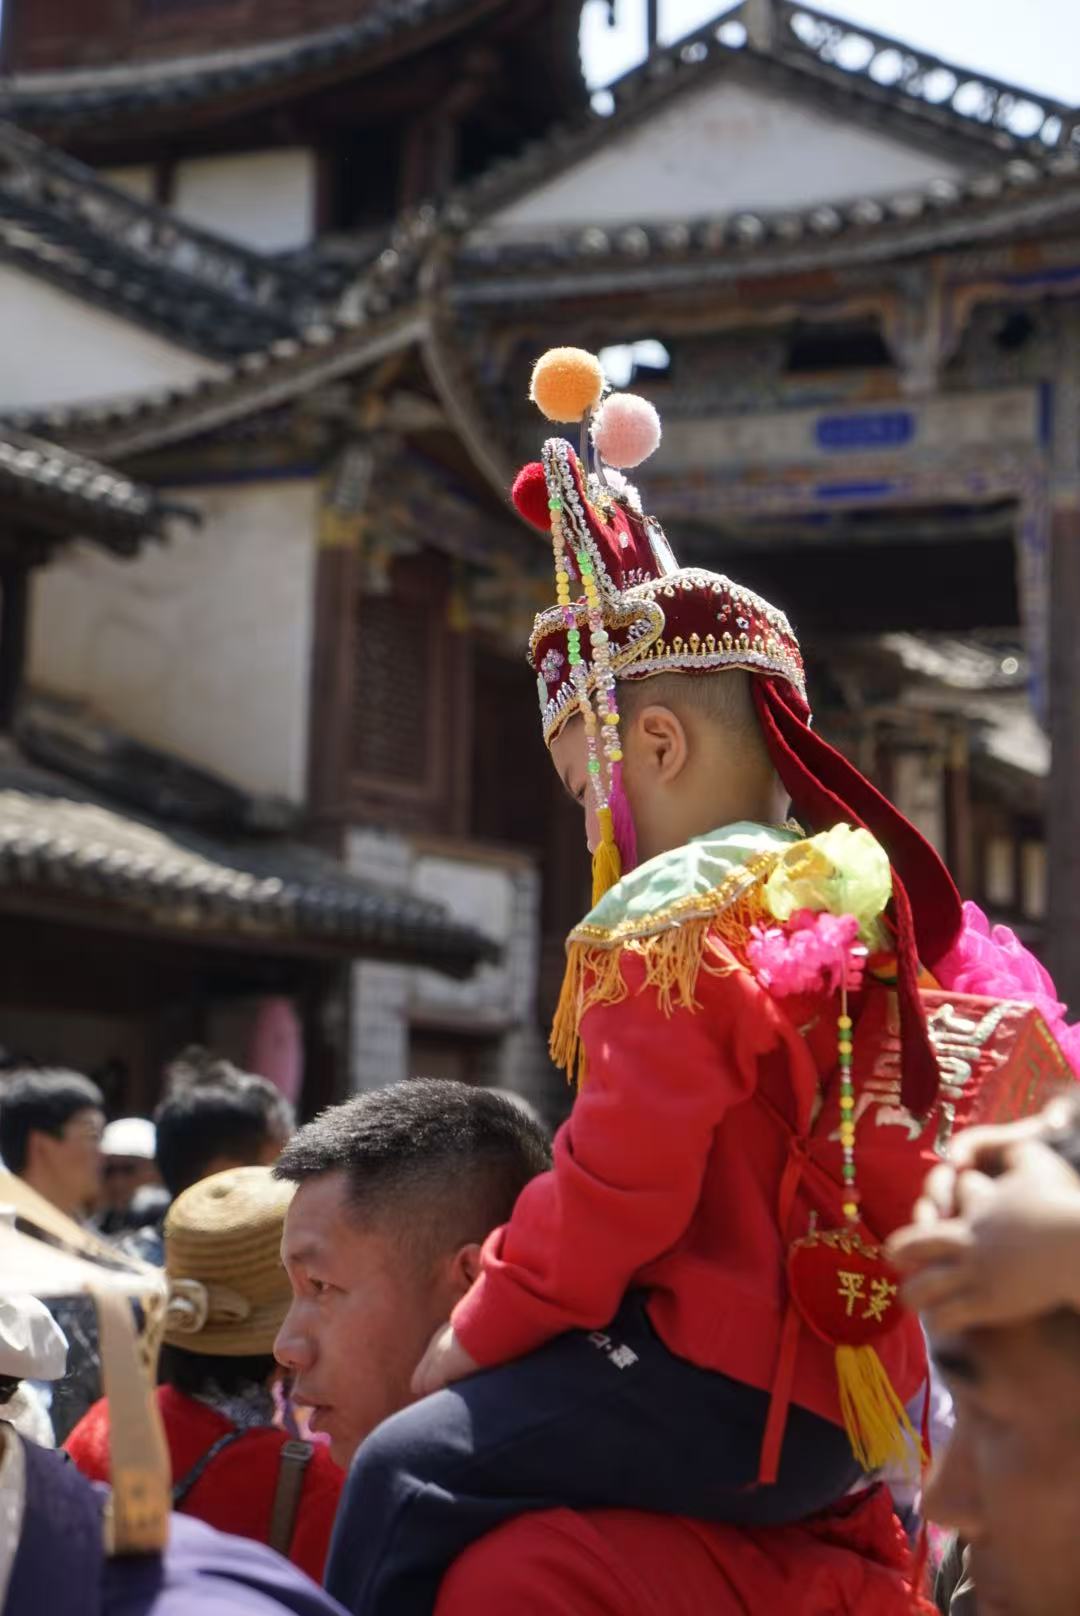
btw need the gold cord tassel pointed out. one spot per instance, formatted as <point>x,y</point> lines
<point>875,1419</point>
<point>606,864</point>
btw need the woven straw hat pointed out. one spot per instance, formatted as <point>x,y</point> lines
<point>228,1292</point>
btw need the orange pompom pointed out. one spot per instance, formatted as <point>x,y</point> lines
<point>566,383</point>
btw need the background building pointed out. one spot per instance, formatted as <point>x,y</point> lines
<point>296,288</point>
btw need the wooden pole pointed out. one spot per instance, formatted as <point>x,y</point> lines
<point>1063,808</point>
<point>14,607</point>
<point>652,24</point>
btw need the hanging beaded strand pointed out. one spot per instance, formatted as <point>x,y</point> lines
<point>601,723</point>
<point>845,1054</point>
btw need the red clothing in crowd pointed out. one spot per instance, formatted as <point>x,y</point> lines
<point>851,1562</point>
<point>668,1177</point>
<point>236,1491</point>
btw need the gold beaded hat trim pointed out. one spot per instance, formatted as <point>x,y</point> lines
<point>690,621</point>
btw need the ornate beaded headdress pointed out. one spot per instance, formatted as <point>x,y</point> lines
<point>637,613</point>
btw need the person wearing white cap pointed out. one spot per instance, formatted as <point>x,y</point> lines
<point>128,1148</point>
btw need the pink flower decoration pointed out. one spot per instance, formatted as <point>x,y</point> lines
<point>816,952</point>
<point>992,961</point>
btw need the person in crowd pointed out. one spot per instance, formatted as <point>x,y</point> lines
<point>56,1550</point>
<point>128,1147</point>
<point>993,1261</point>
<point>227,1298</point>
<point>396,1189</point>
<point>672,1319</point>
<point>213,1116</point>
<point>395,1192</point>
<point>32,1347</point>
<point>51,1128</point>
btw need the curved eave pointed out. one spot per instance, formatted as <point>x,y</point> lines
<point>111,103</point>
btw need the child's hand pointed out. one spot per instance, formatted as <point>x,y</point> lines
<point>444,1362</point>
<point>987,1251</point>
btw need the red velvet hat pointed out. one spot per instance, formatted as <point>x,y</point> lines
<point>627,611</point>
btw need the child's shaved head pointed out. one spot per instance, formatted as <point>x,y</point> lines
<point>724,698</point>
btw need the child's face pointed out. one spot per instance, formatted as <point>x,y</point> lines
<point>570,757</point>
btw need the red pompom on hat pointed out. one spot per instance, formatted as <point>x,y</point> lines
<point>530,495</point>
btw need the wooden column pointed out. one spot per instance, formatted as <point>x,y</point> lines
<point>1063,808</point>
<point>959,830</point>
<point>333,653</point>
<point>14,610</point>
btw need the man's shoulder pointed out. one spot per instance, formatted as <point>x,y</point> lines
<point>226,1574</point>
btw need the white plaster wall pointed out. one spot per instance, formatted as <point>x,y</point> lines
<point>201,645</point>
<point>58,350</point>
<point>717,150</point>
<point>264,200</point>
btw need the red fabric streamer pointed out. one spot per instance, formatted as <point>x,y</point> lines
<point>824,788</point>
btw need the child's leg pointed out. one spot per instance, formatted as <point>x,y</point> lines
<point>612,1419</point>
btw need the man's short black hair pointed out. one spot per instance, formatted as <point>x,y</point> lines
<point>213,1109</point>
<point>40,1102</point>
<point>445,1161</point>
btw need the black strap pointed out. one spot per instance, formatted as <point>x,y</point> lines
<point>182,1487</point>
<point>295,1458</point>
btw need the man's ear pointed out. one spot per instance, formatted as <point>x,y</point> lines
<point>661,743</point>
<point>464,1268</point>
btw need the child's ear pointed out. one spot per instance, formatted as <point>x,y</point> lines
<point>661,743</point>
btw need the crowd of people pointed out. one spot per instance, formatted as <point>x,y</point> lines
<point>308,1273</point>
<point>691,1355</point>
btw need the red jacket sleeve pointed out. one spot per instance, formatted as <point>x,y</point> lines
<point>629,1163</point>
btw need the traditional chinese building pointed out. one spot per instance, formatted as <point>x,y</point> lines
<point>845,272</point>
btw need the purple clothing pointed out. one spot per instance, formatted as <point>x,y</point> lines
<point>60,1567</point>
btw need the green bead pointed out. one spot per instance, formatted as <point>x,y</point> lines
<point>849,1173</point>
<point>593,765</point>
<point>554,504</point>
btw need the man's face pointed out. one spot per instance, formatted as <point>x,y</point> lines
<point>362,1314</point>
<point>71,1160</point>
<point>1010,1479</point>
<point>123,1176</point>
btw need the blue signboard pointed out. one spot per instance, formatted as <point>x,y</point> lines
<point>883,429</point>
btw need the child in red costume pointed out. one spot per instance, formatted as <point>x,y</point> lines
<point>691,1314</point>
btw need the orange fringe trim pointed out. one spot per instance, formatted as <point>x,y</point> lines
<point>673,959</point>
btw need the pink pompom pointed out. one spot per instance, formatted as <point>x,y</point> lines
<point>626,430</point>
<point>814,953</point>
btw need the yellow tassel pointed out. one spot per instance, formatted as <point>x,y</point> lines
<point>875,1419</point>
<point>606,864</point>
<point>673,961</point>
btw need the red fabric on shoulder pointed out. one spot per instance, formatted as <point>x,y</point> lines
<point>626,1563</point>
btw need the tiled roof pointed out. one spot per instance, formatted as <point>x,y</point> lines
<point>55,837</point>
<point>59,220</point>
<point>170,86</point>
<point>1021,194</point>
<point>799,46</point>
<point>130,425</point>
<point>53,492</point>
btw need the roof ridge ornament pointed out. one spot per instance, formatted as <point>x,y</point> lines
<point>759,19</point>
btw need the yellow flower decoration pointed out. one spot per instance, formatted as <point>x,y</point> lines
<point>843,871</point>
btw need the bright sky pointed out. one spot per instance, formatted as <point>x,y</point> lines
<point>1032,43</point>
